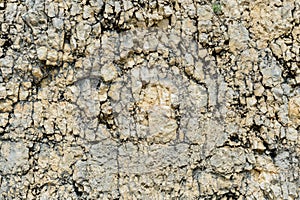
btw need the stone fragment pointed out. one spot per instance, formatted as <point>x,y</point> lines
<point>37,20</point>
<point>239,37</point>
<point>103,92</point>
<point>14,157</point>
<point>55,38</point>
<point>52,55</point>
<point>37,73</point>
<point>294,109</point>
<point>58,23</point>
<point>82,31</point>
<point>3,119</point>
<point>292,134</point>
<point>258,144</point>
<point>6,105</point>
<point>277,92</point>
<point>109,72</point>
<point>168,11</point>
<point>251,101</point>
<point>271,75</point>
<point>199,96</point>
<point>2,91</point>
<point>6,65</point>
<point>265,163</point>
<point>258,90</point>
<point>276,50</point>
<point>189,26</point>
<point>23,94</point>
<point>226,160</point>
<point>52,9</point>
<point>42,53</point>
<point>87,12</point>
<point>298,78</point>
<point>269,23</point>
<point>162,128</point>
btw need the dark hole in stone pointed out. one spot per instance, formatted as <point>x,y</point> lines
<point>3,6</point>
<point>98,85</point>
<point>273,153</point>
<point>76,190</point>
<point>266,144</point>
<point>7,44</point>
<point>197,171</point>
<point>243,115</point>
<point>256,128</point>
<point>230,195</point>
<point>289,75</point>
<point>247,143</point>
<point>61,97</point>
<point>67,38</point>
<point>234,138</point>
<point>4,36</point>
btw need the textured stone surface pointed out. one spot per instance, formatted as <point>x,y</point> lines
<point>149,99</point>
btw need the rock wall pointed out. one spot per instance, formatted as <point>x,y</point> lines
<point>181,99</point>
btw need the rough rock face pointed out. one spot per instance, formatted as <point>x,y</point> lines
<point>181,99</point>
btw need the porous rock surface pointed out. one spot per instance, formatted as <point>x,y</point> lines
<point>144,99</point>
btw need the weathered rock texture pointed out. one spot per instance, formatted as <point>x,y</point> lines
<point>181,99</point>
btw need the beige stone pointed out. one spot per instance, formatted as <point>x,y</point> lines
<point>52,55</point>
<point>37,73</point>
<point>239,37</point>
<point>6,105</point>
<point>3,119</point>
<point>109,72</point>
<point>294,109</point>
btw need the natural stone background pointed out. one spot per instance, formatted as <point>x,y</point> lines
<point>180,99</point>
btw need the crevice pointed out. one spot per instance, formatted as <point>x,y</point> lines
<point>118,171</point>
<point>77,189</point>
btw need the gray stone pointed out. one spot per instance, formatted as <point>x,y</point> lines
<point>14,158</point>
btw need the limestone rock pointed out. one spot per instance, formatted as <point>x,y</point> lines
<point>149,99</point>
